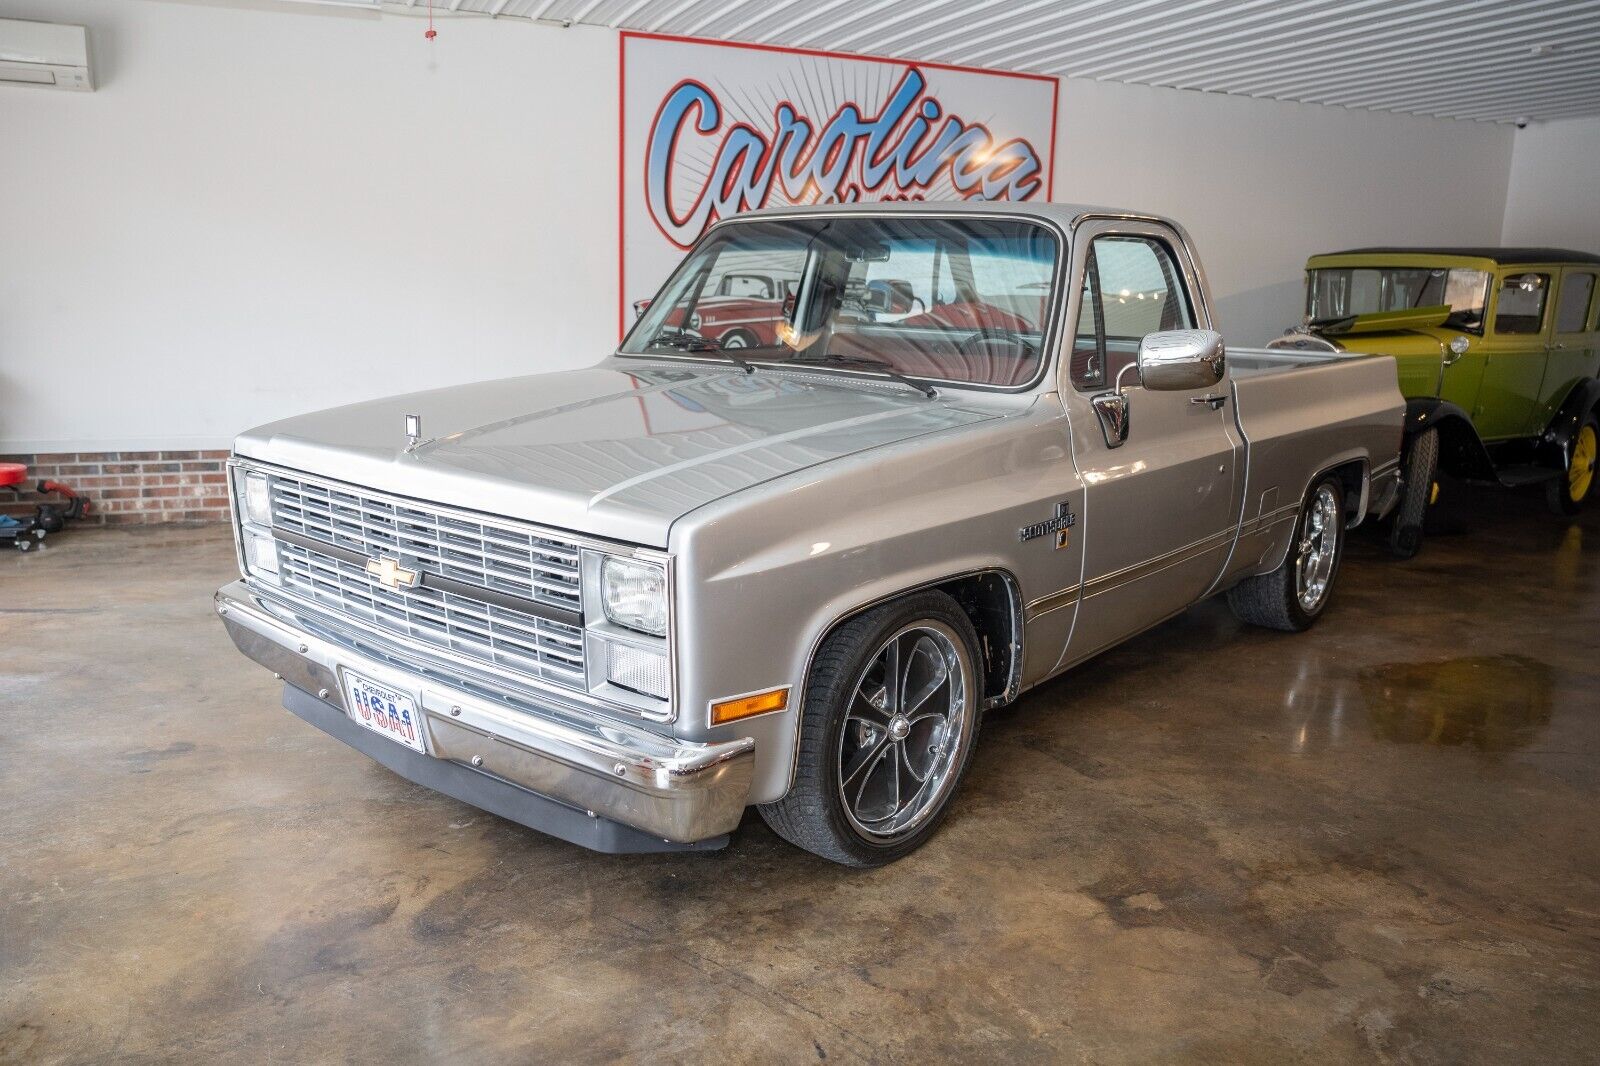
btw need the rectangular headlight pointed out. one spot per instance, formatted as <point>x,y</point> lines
<point>634,594</point>
<point>257,500</point>
<point>638,669</point>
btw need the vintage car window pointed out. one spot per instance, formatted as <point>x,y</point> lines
<point>1520,306</point>
<point>1340,292</point>
<point>964,300</point>
<point>1572,309</point>
<point>1131,287</point>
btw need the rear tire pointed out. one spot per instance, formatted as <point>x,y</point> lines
<point>1292,597</point>
<point>858,797</point>
<point>1416,492</point>
<point>1568,493</point>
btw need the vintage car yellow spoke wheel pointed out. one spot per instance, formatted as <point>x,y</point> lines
<point>1581,473</point>
<point>1569,492</point>
<point>1418,491</point>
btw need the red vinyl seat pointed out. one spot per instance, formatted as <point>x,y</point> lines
<point>13,473</point>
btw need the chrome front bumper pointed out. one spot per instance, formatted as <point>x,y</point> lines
<point>673,791</point>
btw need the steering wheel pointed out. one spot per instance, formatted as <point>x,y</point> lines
<point>982,336</point>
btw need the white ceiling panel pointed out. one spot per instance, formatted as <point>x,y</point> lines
<point>1484,60</point>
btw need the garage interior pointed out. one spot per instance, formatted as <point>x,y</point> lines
<point>1374,842</point>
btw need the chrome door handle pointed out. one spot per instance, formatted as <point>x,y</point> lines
<point>1114,414</point>
<point>1213,402</point>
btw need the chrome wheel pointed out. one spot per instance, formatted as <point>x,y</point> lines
<point>1318,549</point>
<point>906,730</point>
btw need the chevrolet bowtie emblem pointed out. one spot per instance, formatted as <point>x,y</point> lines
<point>390,574</point>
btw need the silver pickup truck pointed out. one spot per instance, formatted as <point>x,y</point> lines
<point>960,449</point>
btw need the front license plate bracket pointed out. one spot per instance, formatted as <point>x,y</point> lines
<point>386,710</point>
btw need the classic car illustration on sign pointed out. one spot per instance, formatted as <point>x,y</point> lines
<point>622,605</point>
<point>1499,356</point>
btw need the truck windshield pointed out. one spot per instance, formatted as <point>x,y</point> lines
<point>1339,292</point>
<point>962,300</point>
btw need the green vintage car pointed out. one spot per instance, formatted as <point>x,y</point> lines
<point>1499,358</point>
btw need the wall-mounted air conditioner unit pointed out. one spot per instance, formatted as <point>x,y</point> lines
<point>46,54</point>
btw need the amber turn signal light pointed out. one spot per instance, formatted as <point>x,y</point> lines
<point>725,711</point>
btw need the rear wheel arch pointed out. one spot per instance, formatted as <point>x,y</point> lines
<point>1352,478</point>
<point>1581,401</point>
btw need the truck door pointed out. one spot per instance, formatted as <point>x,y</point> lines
<point>1574,349</point>
<point>1514,353</point>
<point>1160,510</point>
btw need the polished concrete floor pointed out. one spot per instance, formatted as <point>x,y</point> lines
<point>1377,842</point>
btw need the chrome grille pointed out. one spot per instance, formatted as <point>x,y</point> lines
<point>500,558</point>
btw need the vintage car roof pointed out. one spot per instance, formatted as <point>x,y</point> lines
<point>1503,256</point>
<point>1061,213</point>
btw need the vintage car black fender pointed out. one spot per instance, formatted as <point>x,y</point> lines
<point>1556,441</point>
<point>1461,451</point>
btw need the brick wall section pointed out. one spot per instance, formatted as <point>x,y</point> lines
<point>130,488</point>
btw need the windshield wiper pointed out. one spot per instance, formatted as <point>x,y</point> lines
<point>866,361</point>
<point>684,343</point>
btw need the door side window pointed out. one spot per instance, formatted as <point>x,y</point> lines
<point>1520,308</point>
<point>1572,308</point>
<point>1132,287</point>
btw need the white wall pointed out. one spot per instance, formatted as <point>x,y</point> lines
<point>1262,184</point>
<point>264,210</point>
<point>1554,198</point>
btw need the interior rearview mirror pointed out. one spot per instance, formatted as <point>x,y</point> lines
<point>1179,359</point>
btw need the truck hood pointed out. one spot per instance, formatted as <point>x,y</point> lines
<point>616,451</point>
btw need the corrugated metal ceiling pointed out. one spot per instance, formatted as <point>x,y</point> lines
<point>1487,60</point>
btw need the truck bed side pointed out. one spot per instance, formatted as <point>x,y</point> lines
<point>1301,415</point>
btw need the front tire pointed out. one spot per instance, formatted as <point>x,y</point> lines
<point>1293,596</point>
<point>1421,466</point>
<point>1568,493</point>
<point>889,725</point>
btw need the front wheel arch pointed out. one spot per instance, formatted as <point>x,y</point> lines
<point>1461,451</point>
<point>992,600</point>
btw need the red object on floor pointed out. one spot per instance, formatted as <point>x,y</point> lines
<point>13,473</point>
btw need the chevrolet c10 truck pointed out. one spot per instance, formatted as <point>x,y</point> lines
<point>622,605</point>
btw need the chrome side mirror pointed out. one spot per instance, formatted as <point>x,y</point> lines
<point>1169,361</point>
<point>1177,360</point>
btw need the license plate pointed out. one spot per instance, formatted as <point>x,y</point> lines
<point>384,710</point>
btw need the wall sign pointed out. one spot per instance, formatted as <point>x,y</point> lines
<point>712,129</point>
